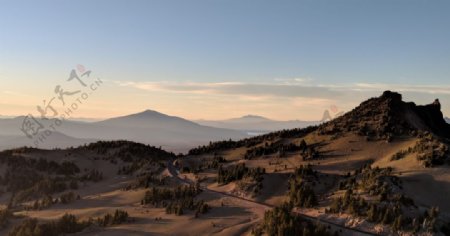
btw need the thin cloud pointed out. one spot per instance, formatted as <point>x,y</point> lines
<point>296,80</point>
<point>282,88</point>
<point>236,88</point>
<point>430,89</point>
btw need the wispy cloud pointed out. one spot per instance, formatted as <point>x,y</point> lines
<point>277,89</point>
<point>296,80</point>
<point>430,89</point>
<point>296,87</point>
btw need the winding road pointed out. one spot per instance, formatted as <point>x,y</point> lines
<point>353,231</point>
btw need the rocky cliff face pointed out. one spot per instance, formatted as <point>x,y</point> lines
<point>387,116</point>
<point>429,118</point>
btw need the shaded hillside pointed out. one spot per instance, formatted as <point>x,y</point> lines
<point>128,151</point>
<point>31,173</point>
<point>383,118</point>
<point>35,180</point>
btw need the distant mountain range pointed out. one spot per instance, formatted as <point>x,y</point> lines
<point>257,124</point>
<point>55,140</point>
<point>149,127</point>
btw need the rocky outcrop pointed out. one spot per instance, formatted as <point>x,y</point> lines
<point>387,116</point>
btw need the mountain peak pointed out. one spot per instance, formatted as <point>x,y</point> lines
<point>388,115</point>
<point>391,95</point>
<point>145,118</point>
<point>248,119</point>
<point>253,117</point>
<point>149,112</point>
<point>149,115</point>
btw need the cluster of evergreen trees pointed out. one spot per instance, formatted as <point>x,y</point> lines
<point>93,175</point>
<point>216,146</point>
<point>274,148</point>
<point>117,218</point>
<point>48,201</point>
<point>238,172</point>
<point>156,196</point>
<point>301,193</point>
<point>145,180</point>
<point>205,164</point>
<point>140,156</point>
<point>374,181</point>
<point>281,221</point>
<point>34,178</point>
<point>305,172</point>
<point>14,161</point>
<point>348,203</point>
<point>127,150</point>
<point>43,203</point>
<point>178,207</point>
<point>388,214</point>
<point>431,151</point>
<point>216,162</point>
<point>5,216</point>
<point>22,173</point>
<point>253,141</point>
<point>40,187</point>
<point>131,168</point>
<point>176,200</point>
<point>67,224</point>
<point>400,154</point>
<point>308,152</point>
<point>69,197</point>
<point>388,207</point>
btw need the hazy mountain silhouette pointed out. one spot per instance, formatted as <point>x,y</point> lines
<point>150,127</point>
<point>55,140</point>
<point>148,118</point>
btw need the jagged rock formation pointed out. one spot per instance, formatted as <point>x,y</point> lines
<point>387,116</point>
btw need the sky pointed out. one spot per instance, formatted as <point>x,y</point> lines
<point>221,59</point>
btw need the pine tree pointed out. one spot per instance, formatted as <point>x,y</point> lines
<point>387,218</point>
<point>372,213</point>
<point>398,223</point>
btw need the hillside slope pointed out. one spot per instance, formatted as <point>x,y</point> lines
<point>382,151</point>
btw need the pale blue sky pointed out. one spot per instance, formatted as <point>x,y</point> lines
<point>167,47</point>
